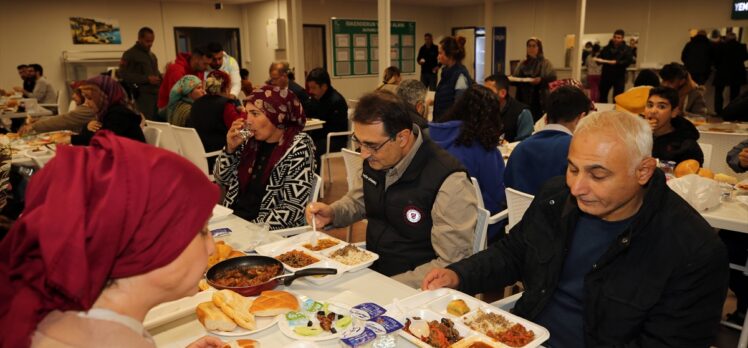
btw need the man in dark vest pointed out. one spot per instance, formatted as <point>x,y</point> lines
<point>418,199</point>
<point>516,118</point>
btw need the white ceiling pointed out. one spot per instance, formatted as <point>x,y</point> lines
<point>438,3</point>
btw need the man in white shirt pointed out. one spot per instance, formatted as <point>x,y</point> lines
<point>220,60</point>
<point>43,92</point>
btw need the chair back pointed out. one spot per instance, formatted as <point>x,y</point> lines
<point>168,139</point>
<point>481,230</point>
<point>517,202</point>
<point>316,185</point>
<point>707,150</point>
<point>354,166</point>
<point>192,147</point>
<point>152,136</point>
<point>476,186</point>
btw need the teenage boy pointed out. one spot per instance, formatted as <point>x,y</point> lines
<point>516,117</point>
<point>674,136</point>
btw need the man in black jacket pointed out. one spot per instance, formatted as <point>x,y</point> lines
<point>610,257</point>
<point>138,69</point>
<point>615,58</point>
<point>327,105</point>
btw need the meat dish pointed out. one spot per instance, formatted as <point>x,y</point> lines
<point>244,276</point>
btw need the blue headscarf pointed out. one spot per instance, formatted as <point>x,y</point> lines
<point>181,91</point>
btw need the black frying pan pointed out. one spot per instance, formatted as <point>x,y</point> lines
<point>256,260</point>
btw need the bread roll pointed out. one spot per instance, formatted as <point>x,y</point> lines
<point>721,177</point>
<point>236,307</point>
<point>686,167</point>
<point>245,343</point>
<point>213,318</point>
<point>203,285</point>
<point>223,250</point>
<point>235,253</point>
<point>273,302</point>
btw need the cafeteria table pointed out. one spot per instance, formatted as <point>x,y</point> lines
<point>312,124</point>
<point>366,285</point>
<point>731,215</point>
<point>360,286</point>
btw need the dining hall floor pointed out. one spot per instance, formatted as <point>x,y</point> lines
<point>726,337</point>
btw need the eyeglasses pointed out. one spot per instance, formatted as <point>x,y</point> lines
<point>373,148</point>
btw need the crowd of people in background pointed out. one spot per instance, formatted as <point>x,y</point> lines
<point>420,155</point>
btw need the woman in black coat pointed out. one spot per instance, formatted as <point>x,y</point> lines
<point>108,100</point>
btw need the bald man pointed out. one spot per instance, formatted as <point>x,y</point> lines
<point>608,254</point>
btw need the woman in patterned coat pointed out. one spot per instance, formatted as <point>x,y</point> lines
<point>267,167</point>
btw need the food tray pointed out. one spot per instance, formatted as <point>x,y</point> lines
<point>435,301</point>
<point>429,315</point>
<point>297,243</point>
<point>173,310</point>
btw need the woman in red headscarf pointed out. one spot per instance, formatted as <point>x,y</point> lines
<point>267,166</point>
<point>100,242</point>
<point>109,101</point>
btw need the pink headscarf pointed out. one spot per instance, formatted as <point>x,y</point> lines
<point>110,93</point>
<point>92,214</point>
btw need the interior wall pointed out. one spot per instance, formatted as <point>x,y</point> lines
<point>45,40</point>
<point>261,56</point>
<point>662,25</point>
<point>428,19</point>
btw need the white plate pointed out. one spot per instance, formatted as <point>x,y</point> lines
<point>220,212</point>
<point>170,311</point>
<point>262,324</point>
<point>287,329</point>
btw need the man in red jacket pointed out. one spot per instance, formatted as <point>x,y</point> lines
<point>193,63</point>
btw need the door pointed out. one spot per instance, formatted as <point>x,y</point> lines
<point>315,47</point>
<point>469,35</point>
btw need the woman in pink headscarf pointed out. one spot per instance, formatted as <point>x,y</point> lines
<point>100,242</point>
<point>108,100</point>
<point>267,172</point>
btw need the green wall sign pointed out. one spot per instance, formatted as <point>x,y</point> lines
<point>355,46</point>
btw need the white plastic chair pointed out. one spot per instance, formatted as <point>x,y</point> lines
<point>480,240</point>
<point>152,136</point>
<point>517,202</point>
<point>493,218</point>
<point>354,166</point>
<point>168,139</point>
<point>707,150</point>
<point>325,158</point>
<point>192,148</point>
<point>316,187</point>
<point>507,303</point>
<point>54,107</point>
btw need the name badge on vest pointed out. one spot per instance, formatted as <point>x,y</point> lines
<point>413,214</point>
<point>369,179</point>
